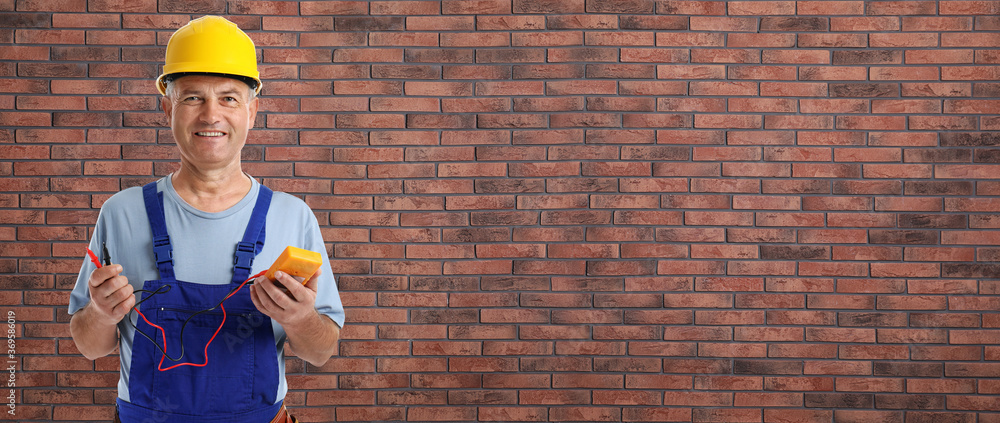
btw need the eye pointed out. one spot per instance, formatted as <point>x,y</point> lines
<point>230,101</point>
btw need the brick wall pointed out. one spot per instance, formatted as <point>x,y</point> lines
<point>560,210</point>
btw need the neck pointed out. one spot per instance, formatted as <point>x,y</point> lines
<point>213,191</point>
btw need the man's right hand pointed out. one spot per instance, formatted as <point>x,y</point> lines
<point>95,327</point>
<point>111,296</point>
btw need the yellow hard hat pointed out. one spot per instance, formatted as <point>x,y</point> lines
<point>210,45</point>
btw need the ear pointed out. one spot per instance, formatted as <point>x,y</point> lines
<point>167,106</point>
<point>253,110</point>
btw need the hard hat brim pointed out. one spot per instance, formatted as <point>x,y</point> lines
<point>161,83</point>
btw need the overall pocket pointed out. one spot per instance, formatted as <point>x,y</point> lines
<point>224,383</point>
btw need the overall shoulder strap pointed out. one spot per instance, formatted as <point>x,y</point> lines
<point>253,238</point>
<point>162,251</point>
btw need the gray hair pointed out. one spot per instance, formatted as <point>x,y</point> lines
<point>169,91</point>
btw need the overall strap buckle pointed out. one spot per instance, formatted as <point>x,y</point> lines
<point>245,252</point>
<point>162,251</point>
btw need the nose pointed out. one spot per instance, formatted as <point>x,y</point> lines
<point>210,112</point>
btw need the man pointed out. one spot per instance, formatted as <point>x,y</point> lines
<point>196,343</point>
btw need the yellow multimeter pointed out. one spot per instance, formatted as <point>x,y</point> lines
<point>296,262</point>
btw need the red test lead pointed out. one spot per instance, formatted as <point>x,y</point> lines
<point>93,258</point>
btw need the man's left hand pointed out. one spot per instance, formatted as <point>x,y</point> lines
<point>286,300</point>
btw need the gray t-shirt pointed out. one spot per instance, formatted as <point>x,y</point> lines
<point>203,248</point>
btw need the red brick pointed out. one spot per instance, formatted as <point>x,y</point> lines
<point>901,8</point>
<point>506,414</point>
<point>700,399</point>
<point>746,186</point>
<point>509,23</point>
<point>818,40</point>
<point>971,8</point>
<point>579,21</point>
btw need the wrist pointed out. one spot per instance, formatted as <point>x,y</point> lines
<point>309,323</point>
<point>98,317</point>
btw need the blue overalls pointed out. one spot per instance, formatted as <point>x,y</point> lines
<point>240,381</point>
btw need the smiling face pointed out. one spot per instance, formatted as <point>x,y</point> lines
<point>210,117</point>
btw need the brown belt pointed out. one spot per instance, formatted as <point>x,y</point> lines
<point>282,417</point>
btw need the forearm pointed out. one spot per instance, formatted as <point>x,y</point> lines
<point>93,338</point>
<point>315,339</point>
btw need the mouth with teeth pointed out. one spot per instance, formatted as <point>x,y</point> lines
<point>210,134</point>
